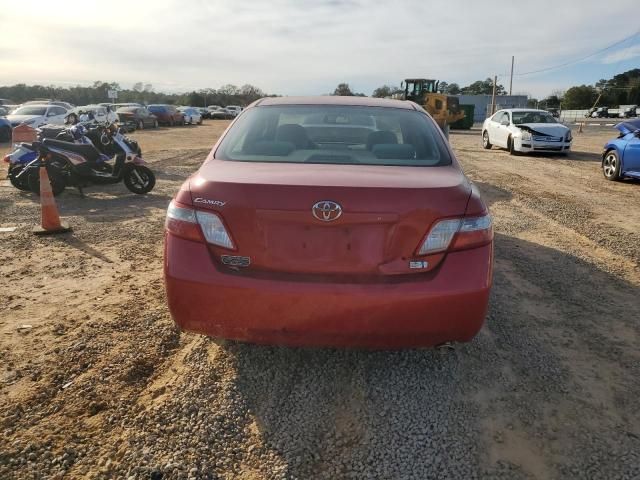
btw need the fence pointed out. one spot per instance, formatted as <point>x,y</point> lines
<point>573,115</point>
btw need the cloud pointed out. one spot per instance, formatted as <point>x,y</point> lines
<point>622,55</point>
<point>298,46</point>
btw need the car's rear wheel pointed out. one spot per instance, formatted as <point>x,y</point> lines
<point>611,166</point>
<point>486,142</point>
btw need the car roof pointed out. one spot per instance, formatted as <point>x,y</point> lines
<point>45,105</point>
<point>523,110</point>
<point>336,100</point>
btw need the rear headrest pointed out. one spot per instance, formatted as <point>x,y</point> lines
<point>270,148</point>
<point>403,151</point>
<point>381,136</point>
<point>295,134</point>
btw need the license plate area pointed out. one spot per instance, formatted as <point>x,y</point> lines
<point>324,248</point>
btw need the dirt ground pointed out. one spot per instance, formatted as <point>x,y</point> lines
<point>95,382</point>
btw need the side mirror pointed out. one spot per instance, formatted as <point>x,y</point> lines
<point>505,123</point>
<point>51,114</point>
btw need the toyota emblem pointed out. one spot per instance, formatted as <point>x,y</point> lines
<point>327,211</point>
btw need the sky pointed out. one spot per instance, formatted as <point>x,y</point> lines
<point>305,47</point>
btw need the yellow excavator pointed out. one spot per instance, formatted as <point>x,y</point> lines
<point>445,109</point>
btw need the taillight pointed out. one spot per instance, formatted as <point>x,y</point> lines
<point>457,234</point>
<point>7,159</point>
<point>214,230</point>
<point>196,225</point>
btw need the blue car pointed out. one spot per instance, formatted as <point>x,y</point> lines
<point>621,156</point>
<point>5,130</point>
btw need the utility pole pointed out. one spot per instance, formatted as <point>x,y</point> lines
<point>511,81</point>
<point>493,95</point>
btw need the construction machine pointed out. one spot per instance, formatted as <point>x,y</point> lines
<point>445,109</point>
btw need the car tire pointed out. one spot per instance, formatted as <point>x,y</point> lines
<point>511,148</point>
<point>486,141</point>
<point>140,125</point>
<point>611,166</point>
<point>5,134</point>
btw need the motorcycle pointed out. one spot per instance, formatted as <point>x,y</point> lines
<point>82,164</point>
<point>25,153</point>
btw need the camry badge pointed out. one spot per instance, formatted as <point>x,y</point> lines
<point>326,210</point>
<point>206,201</point>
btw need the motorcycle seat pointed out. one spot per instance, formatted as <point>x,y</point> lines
<point>88,151</point>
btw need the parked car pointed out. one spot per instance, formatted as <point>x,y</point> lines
<point>287,237</point>
<point>600,112</point>
<point>628,111</point>
<point>36,115</point>
<point>524,130</point>
<point>139,116</point>
<point>218,113</point>
<point>621,156</point>
<point>6,101</point>
<point>65,105</point>
<point>204,113</point>
<point>5,130</point>
<point>234,110</point>
<point>116,106</point>
<point>167,114</point>
<point>98,113</point>
<point>191,115</point>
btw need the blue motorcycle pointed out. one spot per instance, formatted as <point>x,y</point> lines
<point>26,154</point>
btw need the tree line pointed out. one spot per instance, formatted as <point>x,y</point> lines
<point>139,93</point>
<point>622,89</point>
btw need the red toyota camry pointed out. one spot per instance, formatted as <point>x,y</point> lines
<point>330,221</point>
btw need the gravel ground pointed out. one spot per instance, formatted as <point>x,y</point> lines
<point>95,382</point>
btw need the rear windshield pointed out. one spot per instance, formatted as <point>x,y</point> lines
<point>334,134</point>
<point>156,109</point>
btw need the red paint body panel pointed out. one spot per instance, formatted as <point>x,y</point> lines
<point>428,309</point>
<point>351,282</point>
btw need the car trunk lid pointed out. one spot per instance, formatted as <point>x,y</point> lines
<point>385,213</point>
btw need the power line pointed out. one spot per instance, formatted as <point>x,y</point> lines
<point>566,64</point>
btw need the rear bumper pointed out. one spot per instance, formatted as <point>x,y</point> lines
<point>450,306</point>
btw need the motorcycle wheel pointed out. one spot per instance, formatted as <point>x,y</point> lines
<point>56,179</point>
<point>21,183</point>
<point>139,179</point>
<point>5,134</point>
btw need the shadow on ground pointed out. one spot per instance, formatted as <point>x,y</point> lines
<point>525,398</point>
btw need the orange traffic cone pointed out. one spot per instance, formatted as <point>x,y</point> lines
<point>50,222</point>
